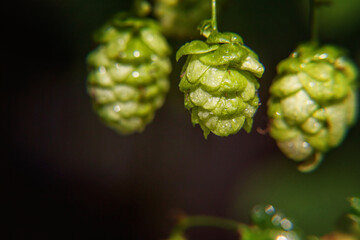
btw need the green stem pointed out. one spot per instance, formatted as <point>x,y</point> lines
<point>203,221</point>
<point>314,30</point>
<point>213,15</point>
<point>314,25</point>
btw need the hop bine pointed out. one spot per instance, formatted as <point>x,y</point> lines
<point>313,102</point>
<point>128,80</point>
<point>219,80</point>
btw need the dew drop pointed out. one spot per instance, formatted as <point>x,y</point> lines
<point>323,56</point>
<point>116,108</point>
<point>286,224</point>
<point>305,144</point>
<point>136,53</point>
<point>294,54</point>
<point>102,69</point>
<point>276,219</point>
<point>135,74</point>
<point>270,209</point>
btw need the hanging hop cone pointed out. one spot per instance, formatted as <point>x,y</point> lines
<point>219,80</point>
<point>312,103</point>
<point>128,80</point>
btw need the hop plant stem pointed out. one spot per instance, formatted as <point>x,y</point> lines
<point>213,15</point>
<point>313,22</point>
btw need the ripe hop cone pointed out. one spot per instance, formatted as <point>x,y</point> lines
<point>312,103</point>
<point>219,80</point>
<point>128,80</point>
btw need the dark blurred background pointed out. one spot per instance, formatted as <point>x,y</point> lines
<point>67,176</point>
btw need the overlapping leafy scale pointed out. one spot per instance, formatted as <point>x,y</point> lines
<point>219,80</point>
<point>312,103</point>
<point>129,70</point>
<point>195,47</point>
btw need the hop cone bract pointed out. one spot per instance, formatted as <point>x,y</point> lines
<point>128,80</point>
<point>312,103</point>
<point>219,80</point>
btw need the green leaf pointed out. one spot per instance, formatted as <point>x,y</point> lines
<point>101,78</point>
<point>227,107</point>
<point>312,125</point>
<point>251,64</point>
<point>282,134</point>
<point>228,127</point>
<point>212,79</point>
<point>206,28</point>
<point>298,107</point>
<point>184,84</point>
<point>155,40</point>
<point>117,44</point>
<point>105,34</point>
<point>296,148</point>
<point>289,65</point>
<point>325,91</point>
<point>274,108</point>
<point>227,37</point>
<point>248,124</point>
<point>319,141</point>
<point>352,109</point>
<point>195,69</point>
<point>136,52</point>
<point>225,54</point>
<point>233,81</point>
<point>336,123</point>
<point>321,71</point>
<point>195,47</point>
<point>329,53</point>
<point>285,85</point>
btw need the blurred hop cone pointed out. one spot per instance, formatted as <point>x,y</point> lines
<point>179,18</point>
<point>219,80</point>
<point>128,80</point>
<point>312,103</point>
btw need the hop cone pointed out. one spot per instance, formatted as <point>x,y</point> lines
<point>219,80</point>
<point>312,103</point>
<point>129,69</point>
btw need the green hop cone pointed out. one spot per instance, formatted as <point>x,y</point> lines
<point>128,80</point>
<point>312,103</point>
<point>219,80</point>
